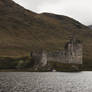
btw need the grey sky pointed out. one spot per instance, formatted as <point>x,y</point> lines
<point>80,10</point>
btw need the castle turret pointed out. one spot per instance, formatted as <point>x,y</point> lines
<point>73,51</point>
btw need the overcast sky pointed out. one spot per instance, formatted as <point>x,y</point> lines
<point>80,10</point>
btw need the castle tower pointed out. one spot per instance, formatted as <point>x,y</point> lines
<point>39,58</point>
<point>73,51</point>
<point>43,60</point>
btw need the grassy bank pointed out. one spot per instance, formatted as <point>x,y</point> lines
<point>25,64</point>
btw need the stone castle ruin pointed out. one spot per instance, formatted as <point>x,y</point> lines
<point>72,54</point>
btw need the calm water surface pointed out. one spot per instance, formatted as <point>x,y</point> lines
<point>45,82</point>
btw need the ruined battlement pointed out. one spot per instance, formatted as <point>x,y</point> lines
<point>72,54</point>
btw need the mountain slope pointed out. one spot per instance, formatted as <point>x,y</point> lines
<point>22,31</point>
<point>90,26</point>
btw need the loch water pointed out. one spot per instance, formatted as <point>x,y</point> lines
<point>45,82</point>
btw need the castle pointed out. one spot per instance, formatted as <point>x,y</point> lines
<point>72,54</point>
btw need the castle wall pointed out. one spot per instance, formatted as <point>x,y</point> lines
<point>56,56</point>
<point>71,54</point>
<point>78,53</point>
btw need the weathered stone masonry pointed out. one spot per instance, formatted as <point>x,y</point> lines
<point>72,54</point>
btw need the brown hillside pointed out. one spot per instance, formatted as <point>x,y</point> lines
<point>22,31</point>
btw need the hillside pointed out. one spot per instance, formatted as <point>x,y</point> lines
<point>22,31</point>
<point>90,26</point>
